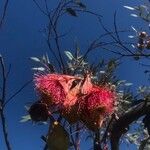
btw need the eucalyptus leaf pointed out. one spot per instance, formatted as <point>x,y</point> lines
<point>58,138</point>
<point>25,118</point>
<point>131,36</point>
<point>39,69</point>
<point>128,84</point>
<point>134,15</point>
<point>134,29</point>
<point>69,55</point>
<point>129,7</point>
<point>71,12</point>
<point>35,59</point>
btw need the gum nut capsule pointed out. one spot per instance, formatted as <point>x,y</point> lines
<point>143,34</point>
<point>140,46</point>
<point>148,44</point>
<point>39,112</point>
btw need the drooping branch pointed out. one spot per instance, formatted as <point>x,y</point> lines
<point>121,125</point>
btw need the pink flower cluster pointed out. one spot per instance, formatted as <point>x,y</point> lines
<point>76,98</point>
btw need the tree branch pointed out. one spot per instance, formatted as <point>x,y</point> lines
<point>121,125</point>
<point>17,92</point>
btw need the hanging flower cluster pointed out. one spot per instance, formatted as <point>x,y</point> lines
<point>75,98</point>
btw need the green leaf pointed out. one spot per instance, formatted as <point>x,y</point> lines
<point>38,69</point>
<point>128,84</point>
<point>35,59</point>
<point>69,55</point>
<point>134,15</point>
<point>71,12</point>
<point>129,7</point>
<point>58,138</point>
<point>145,144</point>
<point>25,118</point>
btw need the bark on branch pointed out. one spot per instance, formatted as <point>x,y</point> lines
<point>121,125</point>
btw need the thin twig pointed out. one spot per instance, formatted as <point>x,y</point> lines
<point>3,98</point>
<point>4,13</point>
<point>72,138</point>
<point>77,138</point>
<point>5,130</point>
<point>3,79</point>
<point>36,3</point>
<point>17,92</point>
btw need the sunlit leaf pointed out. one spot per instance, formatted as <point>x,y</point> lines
<point>133,45</point>
<point>39,69</point>
<point>128,7</point>
<point>128,84</point>
<point>134,15</point>
<point>134,29</point>
<point>35,59</point>
<point>25,118</point>
<point>131,36</point>
<point>69,55</point>
<point>102,72</point>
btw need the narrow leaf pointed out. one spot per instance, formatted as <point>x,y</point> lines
<point>35,59</point>
<point>69,55</point>
<point>131,36</point>
<point>71,12</point>
<point>128,7</point>
<point>39,69</point>
<point>134,29</point>
<point>128,84</point>
<point>134,15</point>
<point>25,118</point>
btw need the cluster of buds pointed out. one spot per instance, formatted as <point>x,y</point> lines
<point>75,98</point>
<point>143,41</point>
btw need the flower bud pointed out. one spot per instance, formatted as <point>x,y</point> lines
<point>142,34</point>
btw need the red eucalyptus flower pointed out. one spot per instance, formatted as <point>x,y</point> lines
<point>56,88</point>
<point>50,86</point>
<point>97,97</point>
<point>80,100</point>
<point>96,103</point>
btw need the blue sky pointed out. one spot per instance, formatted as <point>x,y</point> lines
<point>20,38</point>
